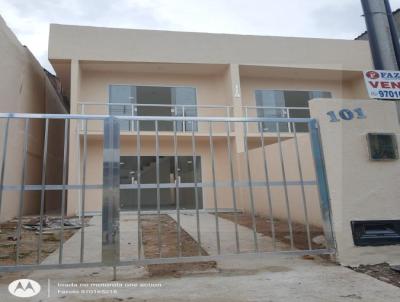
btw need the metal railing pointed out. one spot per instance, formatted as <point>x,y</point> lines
<point>277,112</point>
<point>130,109</point>
<point>264,192</point>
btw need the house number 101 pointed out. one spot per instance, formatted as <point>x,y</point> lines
<point>346,114</point>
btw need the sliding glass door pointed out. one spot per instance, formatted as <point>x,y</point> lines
<point>121,98</point>
<point>289,103</point>
<point>154,101</point>
<point>185,99</point>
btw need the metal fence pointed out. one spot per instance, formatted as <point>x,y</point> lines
<point>232,206</point>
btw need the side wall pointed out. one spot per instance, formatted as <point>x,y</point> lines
<point>24,87</point>
<point>274,168</point>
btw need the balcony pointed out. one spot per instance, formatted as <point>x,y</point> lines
<point>165,128</point>
<point>200,127</point>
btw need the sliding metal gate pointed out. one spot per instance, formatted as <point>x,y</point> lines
<point>257,191</point>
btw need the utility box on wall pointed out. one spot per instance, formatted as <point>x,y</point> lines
<point>376,232</point>
<point>382,146</point>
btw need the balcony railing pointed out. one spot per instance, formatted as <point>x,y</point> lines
<point>129,109</point>
<point>278,112</point>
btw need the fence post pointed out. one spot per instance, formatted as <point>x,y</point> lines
<point>322,182</point>
<point>111,203</point>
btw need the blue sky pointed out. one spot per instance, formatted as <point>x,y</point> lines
<point>30,19</point>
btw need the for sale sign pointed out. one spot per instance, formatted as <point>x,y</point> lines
<point>383,84</point>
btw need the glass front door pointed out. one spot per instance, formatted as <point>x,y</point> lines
<point>148,169</point>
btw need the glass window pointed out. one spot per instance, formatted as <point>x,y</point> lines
<point>270,103</point>
<point>154,101</point>
<point>119,96</point>
<point>285,103</point>
<point>185,96</point>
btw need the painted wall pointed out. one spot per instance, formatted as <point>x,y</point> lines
<point>24,87</point>
<point>131,45</point>
<point>210,89</point>
<point>360,189</point>
<point>274,169</point>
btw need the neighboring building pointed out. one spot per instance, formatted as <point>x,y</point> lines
<point>396,17</point>
<point>156,73</point>
<point>26,88</point>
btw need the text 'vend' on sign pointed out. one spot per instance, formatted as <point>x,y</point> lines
<point>383,84</point>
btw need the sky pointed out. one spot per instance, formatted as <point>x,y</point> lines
<point>342,19</point>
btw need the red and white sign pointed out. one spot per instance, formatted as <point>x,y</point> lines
<point>383,84</point>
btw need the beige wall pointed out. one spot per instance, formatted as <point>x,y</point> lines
<point>360,189</point>
<point>210,89</point>
<point>24,87</point>
<point>131,45</point>
<point>296,205</point>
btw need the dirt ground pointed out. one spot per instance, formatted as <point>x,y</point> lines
<point>29,241</point>
<point>189,247</point>
<point>281,229</point>
<point>381,272</point>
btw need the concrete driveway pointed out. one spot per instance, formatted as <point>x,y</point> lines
<point>278,278</point>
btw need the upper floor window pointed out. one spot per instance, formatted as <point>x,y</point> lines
<point>285,103</point>
<point>154,101</point>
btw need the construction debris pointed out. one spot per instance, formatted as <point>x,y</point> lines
<point>29,237</point>
<point>50,224</point>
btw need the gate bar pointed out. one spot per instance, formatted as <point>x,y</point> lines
<point>250,186</point>
<point>3,161</point>
<point>303,193</point>
<point>64,180</point>
<point>83,190</point>
<point>177,197</point>
<point>22,189</point>
<point>268,186</point>
<point>139,192</point>
<point>158,190</point>
<point>196,196</point>
<point>214,186</point>
<point>111,202</point>
<point>228,130</point>
<point>43,192</point>
<point>285,187</point>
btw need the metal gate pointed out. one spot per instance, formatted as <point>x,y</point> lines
<point>261,187</point>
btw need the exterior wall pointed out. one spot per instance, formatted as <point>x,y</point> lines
<point>24,87</point>
<point>210,90</point>
<point>296,205</point>
<point>360,189</point>
<point>129,45</point>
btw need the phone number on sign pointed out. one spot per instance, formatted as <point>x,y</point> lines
<point>388,94</point>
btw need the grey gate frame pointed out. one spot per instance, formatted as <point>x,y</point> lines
<point>111,186</point>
